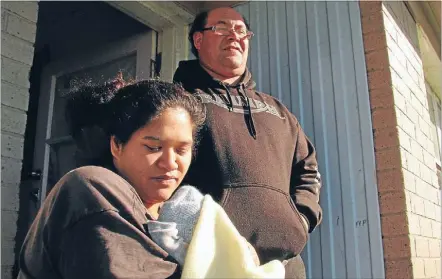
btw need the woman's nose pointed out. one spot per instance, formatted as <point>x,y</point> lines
<point>168,160</point>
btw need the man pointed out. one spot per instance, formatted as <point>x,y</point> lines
<point>253,157</point>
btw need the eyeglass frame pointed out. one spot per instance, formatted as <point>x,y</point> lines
<point>249,34</point>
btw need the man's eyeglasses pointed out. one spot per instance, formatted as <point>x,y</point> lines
<point>223,30</point>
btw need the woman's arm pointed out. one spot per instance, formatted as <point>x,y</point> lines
<point>105,245</point>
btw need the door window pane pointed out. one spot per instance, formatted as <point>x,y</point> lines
<point>98,74</point>
<point>62,148</point>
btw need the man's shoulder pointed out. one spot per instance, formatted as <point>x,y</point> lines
<point>271,100</point>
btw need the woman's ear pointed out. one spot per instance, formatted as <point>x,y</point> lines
<point>197,39</point>
<point>116,148</point>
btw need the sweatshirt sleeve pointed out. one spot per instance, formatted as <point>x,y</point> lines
<point>305,182</point>
<point>104,245</point>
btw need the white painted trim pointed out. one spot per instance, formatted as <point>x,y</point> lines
<point>174,47</point>
<point>422,14</point>
<point>438,119</point>
<point>158,15</point>
<point>47,147</point>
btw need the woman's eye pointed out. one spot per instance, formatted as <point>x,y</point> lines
<point>182,151</point>
<point>153,148</point>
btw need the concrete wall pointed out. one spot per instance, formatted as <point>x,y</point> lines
<point>409,194</point>
<point>18,36</point>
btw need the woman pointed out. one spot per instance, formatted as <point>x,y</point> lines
<point>93,222</point>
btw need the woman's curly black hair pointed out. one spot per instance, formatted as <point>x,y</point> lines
<point>96,112</point>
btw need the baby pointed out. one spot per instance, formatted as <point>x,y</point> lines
<point>177,219</point>
<point>217,250</point>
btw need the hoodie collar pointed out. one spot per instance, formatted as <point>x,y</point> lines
<point>192,76</point>
<point>188,71</point>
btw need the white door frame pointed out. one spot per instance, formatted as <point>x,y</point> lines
<point>171,21</point>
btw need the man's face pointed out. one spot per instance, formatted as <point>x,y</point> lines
<point>225,55</point>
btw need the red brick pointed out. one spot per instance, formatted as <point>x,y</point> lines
<point>384,138</point>
<point>392,202</point>
<point>396,247</point>
<point>368,8</point>
<point>372,21</point>
<point>377,60</point>
<point>388,159</point>
<point>390,180</point>
<point>394,225</point>
<point>375,41</point>
<point>395,269</point>
<point>383,118</point>
<point>379,79</point>
<point>381,98</point>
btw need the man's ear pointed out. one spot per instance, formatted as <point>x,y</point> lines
<point>116,148</point>
<point>197,40</point>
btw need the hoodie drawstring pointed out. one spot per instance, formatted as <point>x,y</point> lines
<point>249,118</point>
<point>250,122</point>
<point>229,96</point>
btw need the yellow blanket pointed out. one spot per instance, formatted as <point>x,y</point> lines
<point>217,250</point>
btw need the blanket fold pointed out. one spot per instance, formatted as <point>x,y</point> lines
<point>198,234</point>
<point>217,250</point>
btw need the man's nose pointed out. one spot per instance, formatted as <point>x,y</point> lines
<point>233,35</point>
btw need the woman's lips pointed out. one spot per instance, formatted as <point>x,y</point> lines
<point>165,180</point>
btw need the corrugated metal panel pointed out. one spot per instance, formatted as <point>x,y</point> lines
<point>310,56</point>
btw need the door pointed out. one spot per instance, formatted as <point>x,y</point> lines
<point>54,147</point>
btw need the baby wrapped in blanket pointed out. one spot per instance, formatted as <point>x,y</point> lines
<point>199,235</point>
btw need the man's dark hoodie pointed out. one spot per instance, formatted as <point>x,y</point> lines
<point>255,159</point>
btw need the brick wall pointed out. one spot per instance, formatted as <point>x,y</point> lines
<point>422,193</point>
<point>409,195</point>
<point>18,36</point>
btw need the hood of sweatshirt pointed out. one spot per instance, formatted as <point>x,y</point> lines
<point>192,76</point>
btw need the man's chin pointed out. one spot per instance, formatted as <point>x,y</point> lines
<point>233,61</point>
<point>234,64</point>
